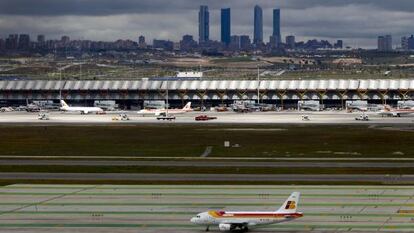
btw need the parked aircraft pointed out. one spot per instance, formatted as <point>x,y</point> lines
<point>157,112</point>
<point>83,110</point>
<point>393,112</point>
<point>242,221</point>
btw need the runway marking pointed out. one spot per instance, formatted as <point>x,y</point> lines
<point>207,151</point>
<point>190,158</point>
<point>99,207</point>
<point>398,215</point>
<point>44,201</point>
<point>252,195</point>
<point>209,187</point>
<point>210,205</point>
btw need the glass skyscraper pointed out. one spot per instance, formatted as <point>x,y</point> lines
<point>225,26</point>
<point>258,25</point>
<point>203,24</point>
<point>276,25</point>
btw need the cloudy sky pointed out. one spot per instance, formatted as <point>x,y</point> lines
<point>357,22</point>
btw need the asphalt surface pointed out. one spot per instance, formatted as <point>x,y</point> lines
<point>285,117</point>
<point>207,163</point>
<point>396,179</point>
<point>168,208</point>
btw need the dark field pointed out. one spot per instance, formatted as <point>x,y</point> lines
<point>191,141</point>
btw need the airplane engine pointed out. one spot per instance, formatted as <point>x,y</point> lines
<point>224,227</point>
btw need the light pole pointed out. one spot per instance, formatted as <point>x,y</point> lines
<point>60,85</point>
<point>258,84</point>
<point>166,107</point>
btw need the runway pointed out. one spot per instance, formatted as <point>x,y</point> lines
<point>326,117</point>
<point>385,179</point>
<point>159,209</point>
<point>205,163</point>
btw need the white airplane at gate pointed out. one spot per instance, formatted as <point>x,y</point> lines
<point>157,112</point>
<point>242,221</point>
<point>393,112</point>
<point>83,110</point>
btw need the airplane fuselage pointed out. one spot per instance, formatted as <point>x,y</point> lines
<point>252,218</point>
<point>83,110</point>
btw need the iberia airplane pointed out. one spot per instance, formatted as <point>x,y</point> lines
<point>157,112</point>
<point>231,221</point>
<point>388,111</point>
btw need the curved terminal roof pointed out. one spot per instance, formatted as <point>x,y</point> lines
<point>194,85</point>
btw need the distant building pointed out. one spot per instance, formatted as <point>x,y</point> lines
<point>245,42</point>
<point>204,24</point>
<point>163,44</point>
<point>407,43</point>
<point>385,43</point>
<point>176,46</point>
<point>276,25</point>
<point>2,44</point>
<point>141,39</point>
<point>410,42</point>
<point>235,43</point>
<point>188,43</point>
<point>258,25</point>
<point>65,40</point>
<point>274,41</point>
<point>225,26</point>
<point>290,41</point>
<point>339,44</point>
<point>141,42</point>
<point>41,39</point>
<point>189,75</point>
<point>24,41</point>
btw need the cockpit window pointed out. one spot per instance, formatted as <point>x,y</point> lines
<point>198,216</point>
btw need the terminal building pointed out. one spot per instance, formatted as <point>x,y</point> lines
<point>283,93</point>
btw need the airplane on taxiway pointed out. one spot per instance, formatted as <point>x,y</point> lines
<point>242,221</point>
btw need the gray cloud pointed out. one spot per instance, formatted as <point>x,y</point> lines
<point>356,21</point>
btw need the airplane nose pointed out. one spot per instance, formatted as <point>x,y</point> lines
<point>192,220</point>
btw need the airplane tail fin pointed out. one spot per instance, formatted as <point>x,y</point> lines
<point>63,103</point>
<point>187,106</point>
<point>291,204</point>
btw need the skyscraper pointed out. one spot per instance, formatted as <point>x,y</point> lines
<point>258,25</point>
<point>225,26</point>
<point>203,24</point>
<point>276,25</point>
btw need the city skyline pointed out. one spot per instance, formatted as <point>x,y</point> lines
<point>357,22</point>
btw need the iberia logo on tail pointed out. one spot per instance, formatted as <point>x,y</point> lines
<point>290,205</point>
